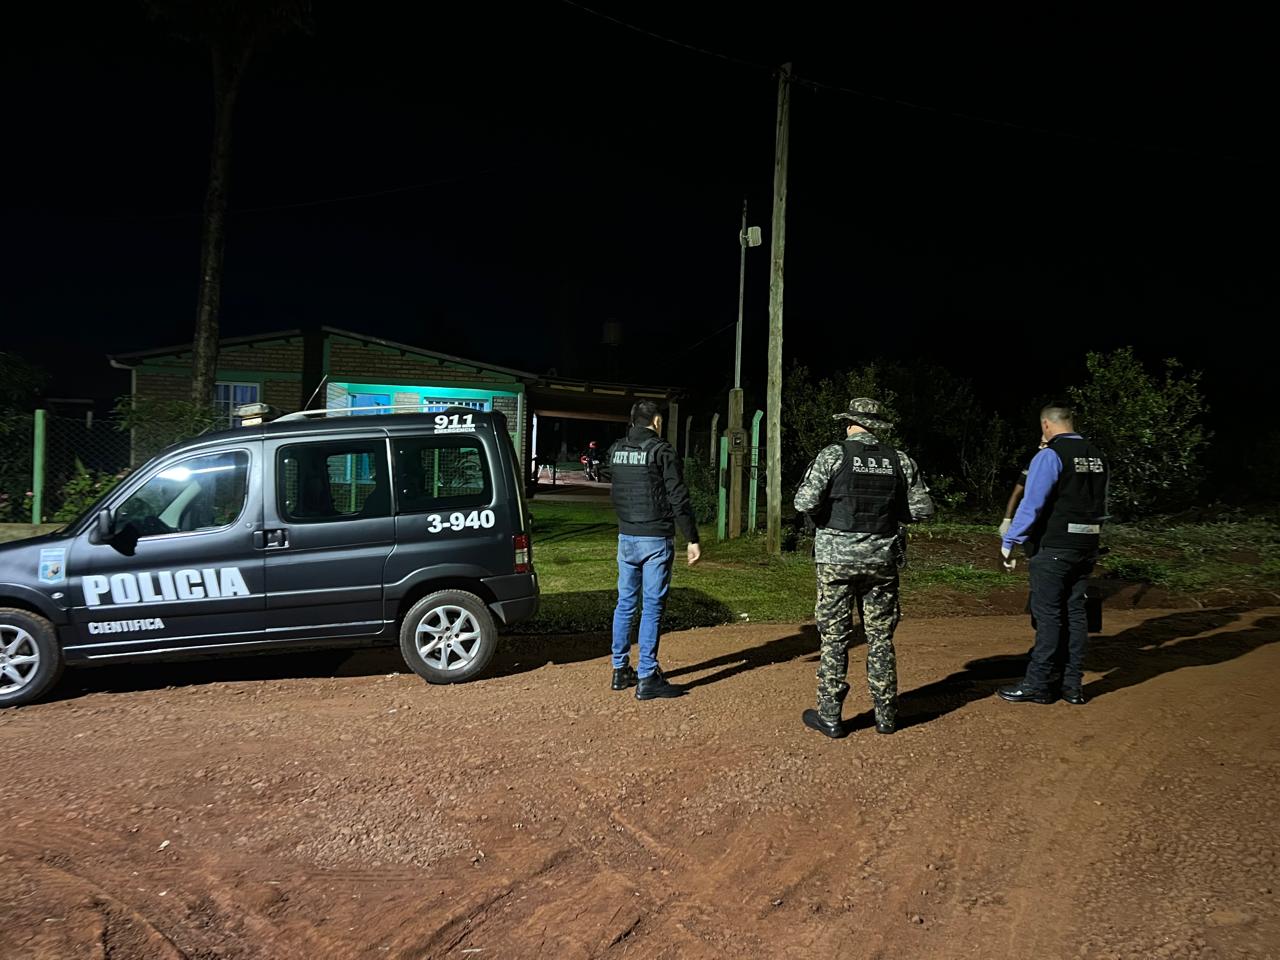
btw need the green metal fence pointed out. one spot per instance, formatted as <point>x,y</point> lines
<point>72,462</point>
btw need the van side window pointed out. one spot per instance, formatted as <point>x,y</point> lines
<point>333,480</point>
<point>438,473</point>
<point>200,493</point>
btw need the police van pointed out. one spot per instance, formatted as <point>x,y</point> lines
<point>318,529</point>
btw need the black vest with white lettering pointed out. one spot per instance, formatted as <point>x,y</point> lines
<point>868,492</point>
<point>1073,515</point>
<point>639,495</point>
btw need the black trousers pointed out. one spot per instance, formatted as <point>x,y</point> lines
<point>1058,582</point>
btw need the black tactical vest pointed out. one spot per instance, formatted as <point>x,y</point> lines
<point>1073,515</point>
<point>639,494</point>
<point>868,493</point>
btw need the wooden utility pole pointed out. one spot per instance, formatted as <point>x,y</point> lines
<point>777,251</point>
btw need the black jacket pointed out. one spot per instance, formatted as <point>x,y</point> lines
<point>1076,508</point>
<point>648,492</point>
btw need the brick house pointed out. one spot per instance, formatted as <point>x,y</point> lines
<point>285,369</point>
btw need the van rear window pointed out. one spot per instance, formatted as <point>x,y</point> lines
<point>435,473</point>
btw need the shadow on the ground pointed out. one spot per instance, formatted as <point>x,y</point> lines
<point>1132,656</point>
<point>559,532</point>
<point>1174,642</point>
<point>285,665</point>
<point>591,611</point>
<point>779,650</point>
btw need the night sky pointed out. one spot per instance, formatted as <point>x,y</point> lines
<point>536,170</point>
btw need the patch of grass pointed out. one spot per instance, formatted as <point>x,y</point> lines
<point>963,531</point>
<point>1238,554</point>
<point>1137,569</point>
<point>963,576</point>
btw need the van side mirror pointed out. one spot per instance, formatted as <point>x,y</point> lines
<point>106,524</point>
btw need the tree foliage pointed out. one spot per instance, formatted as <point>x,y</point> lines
<point>20,383</point>
<point>1149,428</point>
<point>964,450</point>
<point>808,406</point>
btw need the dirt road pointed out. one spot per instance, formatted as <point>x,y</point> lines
<point>292,814</point>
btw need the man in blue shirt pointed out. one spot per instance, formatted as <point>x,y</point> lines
<point>1059,524</point>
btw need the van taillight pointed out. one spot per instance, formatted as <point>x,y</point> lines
<point>524,553</point>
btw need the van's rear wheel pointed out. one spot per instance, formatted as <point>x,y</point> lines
<point>448,636</point>
<point>30,660</point>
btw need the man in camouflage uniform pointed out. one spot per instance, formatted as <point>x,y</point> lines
<point>858,493</point>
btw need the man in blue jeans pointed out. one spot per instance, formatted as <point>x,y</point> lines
<point>651,499</point>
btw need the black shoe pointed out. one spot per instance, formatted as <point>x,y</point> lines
<point>655,687</point>
<point>1074,695</point>
<point>828,728</point>
<point>886,726</point>
<point>1020,693</point>
<point>624,677</point>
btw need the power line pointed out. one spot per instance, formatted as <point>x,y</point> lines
<point>665,39</point>
<point>710,336</point>
<point>881,98</point>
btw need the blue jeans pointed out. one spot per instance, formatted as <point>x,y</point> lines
<point>644,572</point>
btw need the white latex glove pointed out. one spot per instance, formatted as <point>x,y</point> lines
<point>1005,524</point>
<point>1007,559</point>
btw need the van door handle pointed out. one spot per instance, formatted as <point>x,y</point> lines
<point>271,539</point>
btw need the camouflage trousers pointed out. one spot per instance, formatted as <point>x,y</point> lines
<point>842,588</point>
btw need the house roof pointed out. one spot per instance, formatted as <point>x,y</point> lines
<point>137,356</point>
<point>547,384</point>
<point>433,354</point>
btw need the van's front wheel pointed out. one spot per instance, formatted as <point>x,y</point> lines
<point>448,636</point>
<point>30,660</point>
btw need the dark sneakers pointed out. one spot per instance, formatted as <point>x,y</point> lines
<point>624,677</point>
<point>828,728</point>
<point>1021,693</point>
<point>655,687</point>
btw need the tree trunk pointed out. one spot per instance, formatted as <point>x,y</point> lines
<point>227,72</point>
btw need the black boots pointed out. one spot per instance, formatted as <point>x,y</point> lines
<point>652,687</point>
<point>835,729</point>
<point>655,687</point>
<point>828,728</point>
<point>624,677</point>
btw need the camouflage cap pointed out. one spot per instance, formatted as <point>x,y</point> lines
<point>865,412</point>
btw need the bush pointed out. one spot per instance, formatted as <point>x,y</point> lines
<point>704,496</point>
<point>83,490</point>
<point>1147,427</point>
<point>808,406</point>
<point>964,451</point>
<point>947,494</point>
